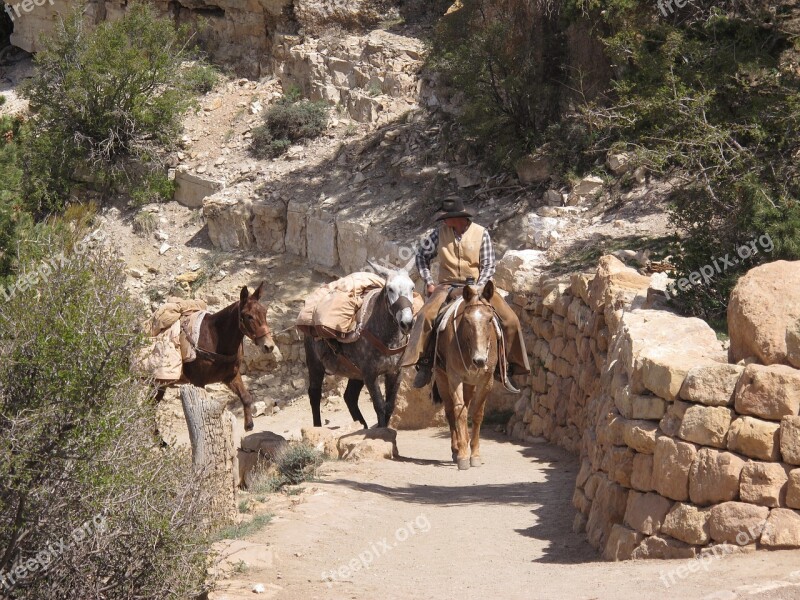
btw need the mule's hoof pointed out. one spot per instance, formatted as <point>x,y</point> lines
<point>475,461</point>
<point>455,456</point>
<point>463,464</point>
<point>249,426</point>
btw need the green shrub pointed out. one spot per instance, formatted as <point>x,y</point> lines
<point>289,121</point>
<point>145,222</point>
<point>709,103</point>
<point>2,99</point>
<point>297,462</point>
<point>201,77</point>
<point>507,58</point>
<point>105,103</point>
<point>77,444</point>
<point>10,187</point>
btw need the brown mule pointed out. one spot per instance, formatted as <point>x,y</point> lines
<point>468,349</point>
<point>220,350</point>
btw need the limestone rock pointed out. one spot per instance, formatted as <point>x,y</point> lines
<point>191,189</point>
<point>368,444</point>
<point>608,509</point>
<point>619,163</point>
<point>764,304</point>
<point>764,484</point>
<point>229,221</point>
<point>414,408</point>
<point>642,474</point>
<point>790,440</point>
<point>640,435</point>
<point>768,392</point>
<point>646,512</point>
<point>663,547</point>
<point>687,523</point>
<point>793,489</point>
<point>755,438</point>
<point>737,522</point>
<point>518,270</point>
<point>670,424</point>
<point>534,168</point>
<point>782,529</point>
<point>672,462</point>
<point>621,543</point>
<point>588,187</point>
<point>706,425</point>
<point>793,344</point>
<point>615,282</point>
<point>714,477</point>
<point>265,443</point>
<point>712,385</point>
<point>269,225</point>
<point>326,439</point>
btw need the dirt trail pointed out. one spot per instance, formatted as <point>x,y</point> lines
<point>503,530</point>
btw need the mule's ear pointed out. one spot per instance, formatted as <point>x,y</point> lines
<point>381,271</point>
<point>488,290</point>
<point>259,289</point>
<point>469,293</point>
<point>244,296</point>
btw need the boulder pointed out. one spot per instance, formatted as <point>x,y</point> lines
<point>706,425</point>
<point>265,443</point>
<point>269,225</point>
<point>534,168</point>
<point>646,512</point>
<point>672,462</point>
<point>543,232</point>
<point>790,440</point>
<point>764,484</point>
<point>229,221</point>
<point>793,344</point>
<point>770,392</point>
<point>782,529</point>
<point>614,280</point>
<point>755,438</point>
<point>763,306</point>
<point>619,163</point>
<point>712,385</point>
<point>687,523</point>
<point>714,477</point>
<point>737,522</point>
<point>588,187</point>
<point>191,189</point>
<point>518,270</point>
<point>326,439</point>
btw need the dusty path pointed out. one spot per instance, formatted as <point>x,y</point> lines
<point>504,530</point>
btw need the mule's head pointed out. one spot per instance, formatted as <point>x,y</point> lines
<point>476,331</point>
<point>399,295</point>
<point>253,319</point>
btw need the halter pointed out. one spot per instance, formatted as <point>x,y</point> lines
<point>232,357</point>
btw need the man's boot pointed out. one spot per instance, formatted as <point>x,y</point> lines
<point>424,373</point>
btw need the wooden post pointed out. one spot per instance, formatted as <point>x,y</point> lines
<point>214,454</point>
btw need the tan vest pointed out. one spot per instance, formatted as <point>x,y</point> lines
<point>459,259</point>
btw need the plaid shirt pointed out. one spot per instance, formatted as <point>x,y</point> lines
<point>429,248</point>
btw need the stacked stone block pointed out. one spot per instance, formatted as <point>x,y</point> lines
<point>681,452</point>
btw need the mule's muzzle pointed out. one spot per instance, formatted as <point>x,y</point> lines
<point>479,361</point>
<point>403,314</point>
<point>266,343</point>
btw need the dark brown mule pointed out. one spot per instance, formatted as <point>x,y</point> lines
<point>468,348</point>
<point>220,351</point>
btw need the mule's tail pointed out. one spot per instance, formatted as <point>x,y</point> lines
<point>435,396</point>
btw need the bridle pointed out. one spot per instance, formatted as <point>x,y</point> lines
<point>394,307</point>
<point>458,317</point>
<point>226,358</point>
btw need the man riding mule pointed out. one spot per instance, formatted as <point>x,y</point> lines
<point>466,255</point>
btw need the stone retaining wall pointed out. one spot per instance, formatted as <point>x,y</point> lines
<point>682,453</point>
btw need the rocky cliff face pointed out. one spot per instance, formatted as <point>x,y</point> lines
<point>239,34</point>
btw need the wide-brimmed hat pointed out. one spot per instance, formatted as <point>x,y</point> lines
<point>452,208</point>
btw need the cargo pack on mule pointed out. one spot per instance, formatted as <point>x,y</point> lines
<point>193,346</point>
<point>357,327</point>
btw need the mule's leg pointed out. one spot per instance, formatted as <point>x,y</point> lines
<point>392,385</point>
<point>377,398</point>
<point>351,394</point>
<point>447,400</point>
<point>479,398</point>
<point>160,391</point>
<point>460,411</point>
<point>237,386</point>
<point>316,374</point>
